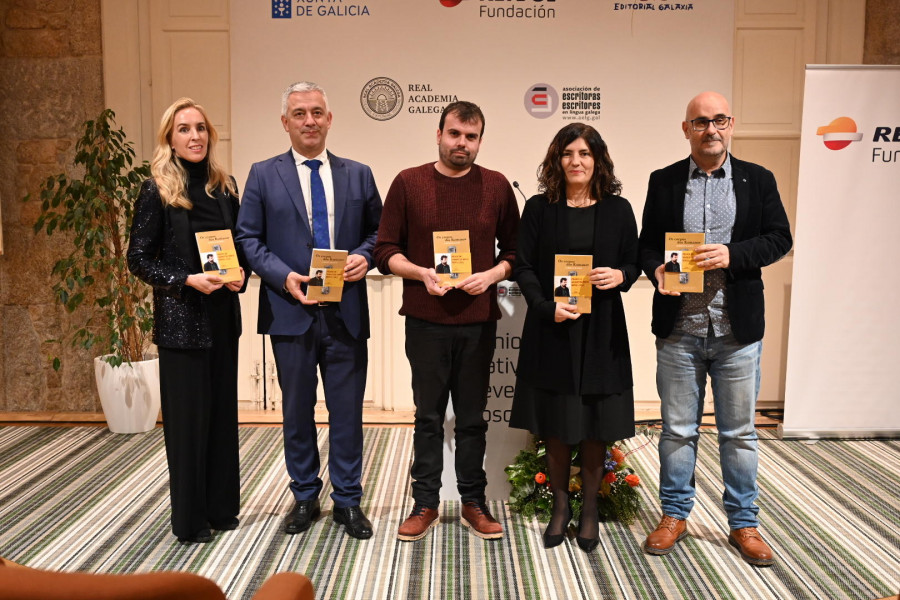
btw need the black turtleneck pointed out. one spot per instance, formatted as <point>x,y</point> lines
<point>206,214</point>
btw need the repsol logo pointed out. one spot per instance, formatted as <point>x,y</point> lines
<point>886,134</point>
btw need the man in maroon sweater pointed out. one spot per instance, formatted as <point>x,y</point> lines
<point>450,330</point>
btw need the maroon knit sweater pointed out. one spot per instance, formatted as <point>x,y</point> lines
<point>422,201</point>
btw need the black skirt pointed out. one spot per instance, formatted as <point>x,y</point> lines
<point>573,418</point>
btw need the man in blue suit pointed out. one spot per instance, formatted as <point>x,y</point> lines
<point>303,199</point>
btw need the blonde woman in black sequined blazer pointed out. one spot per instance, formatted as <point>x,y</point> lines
<point>197,319</point>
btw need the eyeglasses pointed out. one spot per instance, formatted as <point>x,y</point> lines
<point>702,124</point>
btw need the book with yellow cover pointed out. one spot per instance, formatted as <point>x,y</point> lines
<point>217,254</point>
<point>452,256</point>
<point>572,281</point>
<point>326,275</point>
<point>682,274</point>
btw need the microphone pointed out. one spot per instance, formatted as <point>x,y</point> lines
<point>518,189</point>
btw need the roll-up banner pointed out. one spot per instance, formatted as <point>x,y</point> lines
<point>844,337</point>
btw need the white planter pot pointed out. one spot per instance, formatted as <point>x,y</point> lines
<point>129,394</point>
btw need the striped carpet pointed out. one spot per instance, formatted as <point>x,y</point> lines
<point>82,499</point>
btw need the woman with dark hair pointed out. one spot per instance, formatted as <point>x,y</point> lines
<point>574,383</point>
<point>197,319</point>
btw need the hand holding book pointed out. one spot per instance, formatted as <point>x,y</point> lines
<point>206,282</point>
<point>237,284</point>
<point>566,312</point>
<point>712,256</point>
<point>606,278</point>
<point>479,283</point>
<point>660,274</point>
<point>356,268</point>
<point>433,283</point>
<point>292,287</point>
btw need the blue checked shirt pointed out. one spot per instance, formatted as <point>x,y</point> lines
<point>709,207</point>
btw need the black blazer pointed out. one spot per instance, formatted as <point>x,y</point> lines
<point>761,236</point>
<point>160,252</point>
<point>545,356</point>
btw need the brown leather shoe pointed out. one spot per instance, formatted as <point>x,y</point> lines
<point>417,524</point>
<point>751,546</point>
<point>476,517</point>
<point>669,532</point>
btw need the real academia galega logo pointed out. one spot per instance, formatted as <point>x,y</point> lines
<point>381,98</point>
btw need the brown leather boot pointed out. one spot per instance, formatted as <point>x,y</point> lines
<point>750,544</point>
<point>668,533</point>
<point>417,524</point>
<point>477,517</point>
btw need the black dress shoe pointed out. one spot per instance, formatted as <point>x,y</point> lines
<point>554,540</point>
<point>201,537</point>
<point>225,524</point>
<point>354,521</point>
<point>301,516</point>
<point>587,544</point>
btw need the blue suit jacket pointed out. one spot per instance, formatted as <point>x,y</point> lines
<point>274,231</point>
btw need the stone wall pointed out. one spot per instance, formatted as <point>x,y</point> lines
<point>882,45</point>
<point>51,80</point>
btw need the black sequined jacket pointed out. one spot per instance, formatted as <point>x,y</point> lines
<point>160,251</point>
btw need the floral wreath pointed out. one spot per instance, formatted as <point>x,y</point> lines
<point>531,494</point>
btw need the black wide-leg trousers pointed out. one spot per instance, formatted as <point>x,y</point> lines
<point>199,406</point>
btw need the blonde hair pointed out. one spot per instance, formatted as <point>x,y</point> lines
<point>171,178</point>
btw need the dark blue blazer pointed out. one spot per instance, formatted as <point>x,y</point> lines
<point>761,236</point>
<point>274,231</point>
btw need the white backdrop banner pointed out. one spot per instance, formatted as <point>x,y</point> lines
<point>844,339</point>
<point>390,66</point>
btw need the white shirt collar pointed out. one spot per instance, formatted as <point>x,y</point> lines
<point>299,159</point>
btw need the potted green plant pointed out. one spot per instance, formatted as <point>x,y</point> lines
<point>95,212</point>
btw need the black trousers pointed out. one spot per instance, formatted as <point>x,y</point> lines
<point>199,406</point>
<point>449,361</point>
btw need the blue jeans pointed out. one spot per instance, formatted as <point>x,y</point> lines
<point>683,363</point>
